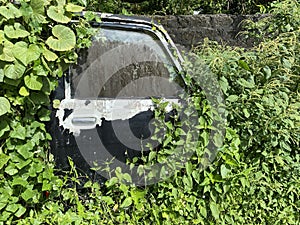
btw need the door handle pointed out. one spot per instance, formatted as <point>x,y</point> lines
<point>84,121</point>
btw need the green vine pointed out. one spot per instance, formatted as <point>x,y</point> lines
<point>36,45</point>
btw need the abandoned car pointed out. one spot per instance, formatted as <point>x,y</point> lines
<point>106,105</point>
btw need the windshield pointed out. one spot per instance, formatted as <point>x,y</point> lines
<point>124,64</point>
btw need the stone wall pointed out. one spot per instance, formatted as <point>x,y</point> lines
<point>188,31</point>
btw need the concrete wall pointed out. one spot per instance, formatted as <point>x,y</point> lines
<point>188,31</point>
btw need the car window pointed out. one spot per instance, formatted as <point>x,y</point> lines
<point>124,64</point>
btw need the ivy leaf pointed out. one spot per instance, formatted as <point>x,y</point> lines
<point>17,13</point>
<point>40,71</point>
<point>57,14</point>
<point>15,31</point>
<point>12,207</point>
<point>232,98</point>
<point>245,83</point>
<point>33,53</point>
<point>4,106</point>
<point>268,72</point>
<point>4,127</point>
<point>203,211</point>
<point>188,183</point>
<point>244,65</point>
<point>286,63</point>
<point>218,140</point>
<point>5,12</point>
<point>19,181</point>
<point>112,182</point>
<point>205,137</point>
<point>20,211</point>
<point>196,176</point>
<point>38,14</point>
<point>64,39</point>
<point>33,82</point>
<point>73,8</point>
<point>19,51</point>
<point>127,202</point>
<point>50,56</point>
<point>24,54</point>
<point>189,168</point>
<point>108,200</point>
<point>224,84</point>
<point>6,52</point>
<point>25,150</point>
<point>46,185</point>
<point>14,71</point>
<point>23,91</point>
<point>246,113</point>
<point>11,169</point>
<point>214,210</point>
<point>224,171</point>
<point>19,133</point>
<point>22,163</point>
<point>3,160</point>
<point>10,11</point>
<point>28,194</point>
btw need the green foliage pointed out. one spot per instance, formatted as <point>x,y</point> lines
<point>28,74</point>
<point>263,109</point>
<point>64,39</point>
<point>5,106</point>
<point>286,15</point>
<point>175,7</point>
<point>253,180</point>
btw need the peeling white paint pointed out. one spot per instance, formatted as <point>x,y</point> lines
<point>87,114</point>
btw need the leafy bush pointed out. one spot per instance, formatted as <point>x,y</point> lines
<point>36,47</point>
<point>254,179</point>
<point>262,95</point>
<point>176,7</point>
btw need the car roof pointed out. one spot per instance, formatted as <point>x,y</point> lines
<point>143,20</point>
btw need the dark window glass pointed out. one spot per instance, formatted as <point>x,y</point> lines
<point>124,64</point>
